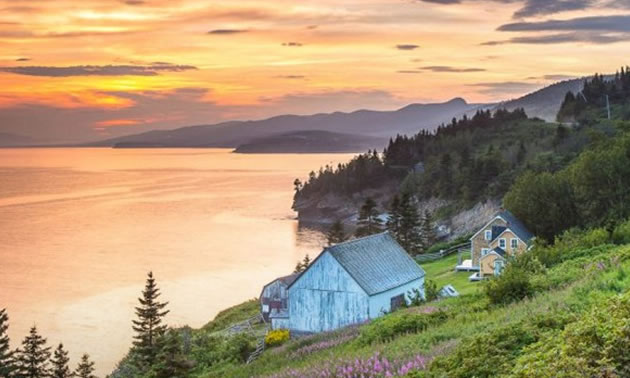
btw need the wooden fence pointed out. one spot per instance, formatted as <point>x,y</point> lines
<point>427,257</point>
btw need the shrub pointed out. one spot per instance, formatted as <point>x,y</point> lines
<point>511,286</point>
<point>387,327</point>
<point>621,233</point>
<point>277,337</point>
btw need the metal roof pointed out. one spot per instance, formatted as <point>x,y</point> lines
<point>377,262</point>
<point>514,224</point>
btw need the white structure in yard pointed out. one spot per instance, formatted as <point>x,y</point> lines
<point>350,283</point>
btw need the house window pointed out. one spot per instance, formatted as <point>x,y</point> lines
<point>488,235</point>
<point>514,243</point>
<point>502,243</point>
<point>484,251</point>
<point>397,302</point>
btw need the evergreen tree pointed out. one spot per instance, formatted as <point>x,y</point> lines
<point>32,359</point>
<point>409,231</point>
<point>427,231</point>
<point>393,220</point>
<point>336,234</point>
<point>172,362</point>
<point>302,265</point>
<point>7,365</point>
<point>369,222</point>
<point>148,326</point>
<point>59,363</point>
<point>85,368</point>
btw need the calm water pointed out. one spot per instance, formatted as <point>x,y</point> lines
<point>80,228</point>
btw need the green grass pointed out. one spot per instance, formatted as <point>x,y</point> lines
<point>232,315</point>
<point>442,272</point>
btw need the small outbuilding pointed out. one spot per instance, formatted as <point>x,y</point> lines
<point>274,300</point>
<point>352,282</point>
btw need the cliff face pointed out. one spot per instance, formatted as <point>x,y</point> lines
<point>329,208</point>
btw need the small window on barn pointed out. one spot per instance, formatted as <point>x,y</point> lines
<point>514,243</point>
<point>488,235</point>
<point>397,302</point>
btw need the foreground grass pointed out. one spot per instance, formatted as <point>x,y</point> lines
<point>442,272</point>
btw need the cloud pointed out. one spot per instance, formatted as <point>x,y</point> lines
<point>109,70</point>
<point>407,47</point>
<point>135,2</point>
<point>573,37</point>
<point>451,69</point>
<point>227,31</point>
<point>597,23</point>
<point>531,8</point>
<point>506,88</point>
<point>22,59</point>
<point>292,44</point>
<point>409,72</point>
<point>553,77</point>
<point>291,77</point>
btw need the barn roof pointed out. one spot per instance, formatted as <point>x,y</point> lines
<point>377,262</point>
<point>516,226</point>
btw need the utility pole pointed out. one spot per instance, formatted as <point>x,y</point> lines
<point>608,107</point>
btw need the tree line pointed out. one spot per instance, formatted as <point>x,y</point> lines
<point>34,358</point>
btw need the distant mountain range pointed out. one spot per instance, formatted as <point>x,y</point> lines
<point>339,131</point>
<point>368,123</point>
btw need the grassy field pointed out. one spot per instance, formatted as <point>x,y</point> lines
<point>442,272</point>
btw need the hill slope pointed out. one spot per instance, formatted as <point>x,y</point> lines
<point>14,140</point>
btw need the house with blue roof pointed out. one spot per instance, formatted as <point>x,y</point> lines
<point>502,237</point>
<point>350,283</point>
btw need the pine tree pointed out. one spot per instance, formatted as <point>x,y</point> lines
<point>336,234</point>
<point>148,326</point>
<point>59,363</point>
<point>393,220</point>
<point>427,231</point>
<point>369,222</point>
<point>32,359</point>
<point>302,265</point>
<point>7,365</point>
<point>85,368</point>
<point>172,362</point>
<point>409,232</point>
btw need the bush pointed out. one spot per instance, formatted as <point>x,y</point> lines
<point>511,286</point>
<point>389,326</point>
<point>277,337</point>
<point>621,233</point>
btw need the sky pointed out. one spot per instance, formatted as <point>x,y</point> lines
<point>92,69</point>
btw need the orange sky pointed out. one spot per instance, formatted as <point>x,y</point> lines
<point>81,70</point>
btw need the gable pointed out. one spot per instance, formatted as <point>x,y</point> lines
<point>326,274</point>
<point>497,221</point>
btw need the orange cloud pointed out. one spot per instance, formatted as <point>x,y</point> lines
<point>118,123</point>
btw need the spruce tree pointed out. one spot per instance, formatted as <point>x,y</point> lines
<point>148,326</point>
<point>393,220</point>
<point>302,265</point>
<point>171,361</point>
<point>336,234</point>
<point>85,368</point>
<point>59,363</point>
<point>409,232</point>
<point>32,358</point>
<point>369,222</point>
<point>427,231</point>
<point>7,365</point>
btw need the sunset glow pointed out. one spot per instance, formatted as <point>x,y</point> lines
<point>183,62</point>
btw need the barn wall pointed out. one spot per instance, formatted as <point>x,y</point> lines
<point>325,298</point>
<point>380,304</point>
<point>274,295</point>
<point>280,323</point>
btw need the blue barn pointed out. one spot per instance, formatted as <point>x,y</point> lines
<point>350,283</point>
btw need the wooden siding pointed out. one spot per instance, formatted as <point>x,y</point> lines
<point>380,304</point>
<point>478,241</point>
<point>274,296</point>
<point>325,298</point>
<point>487,264</point>
<point>508,236</point>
